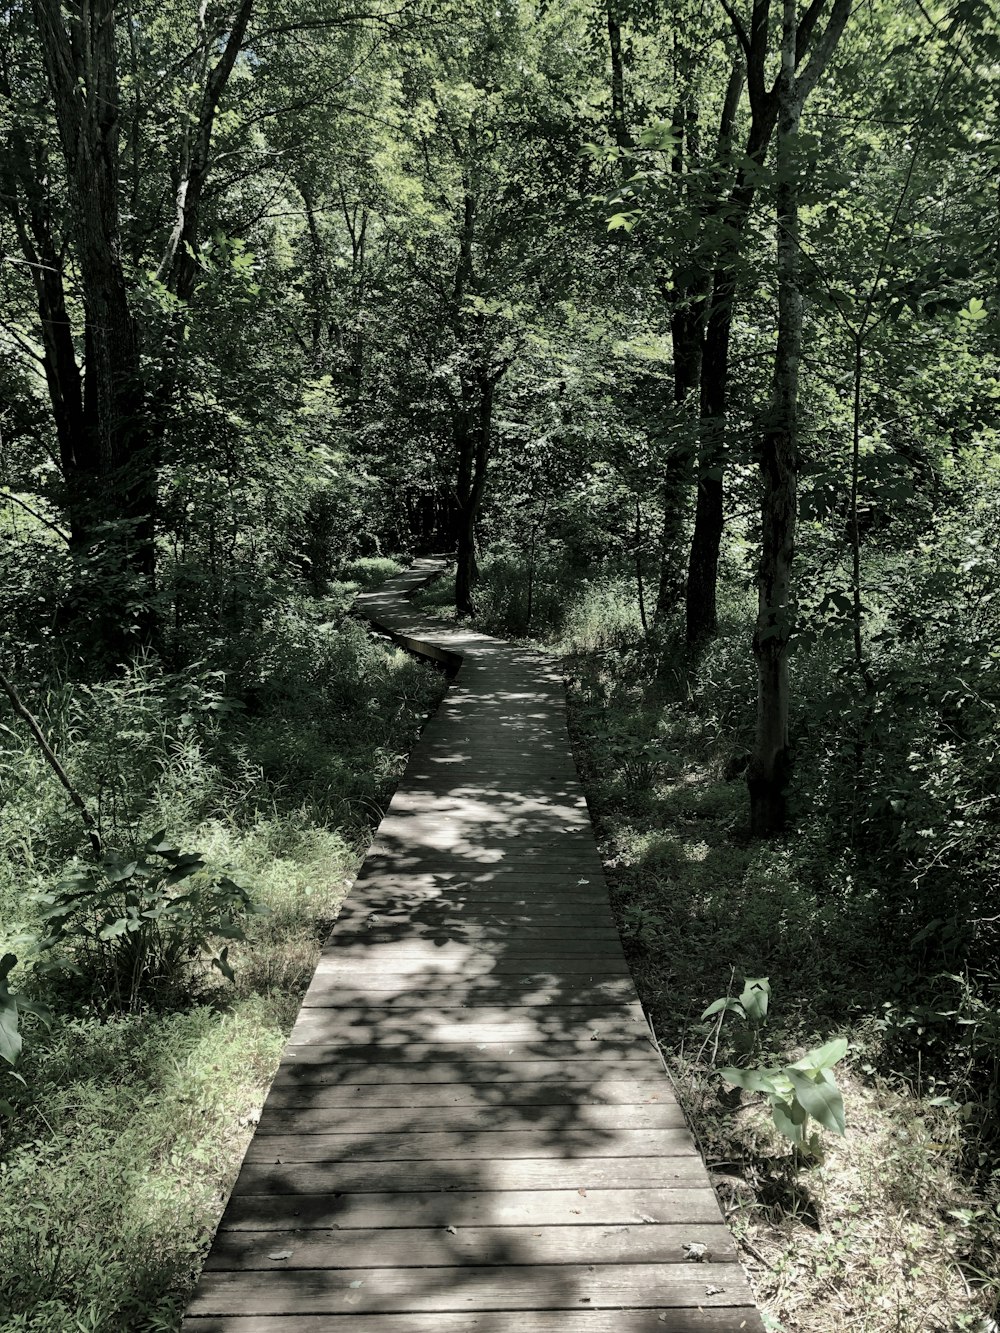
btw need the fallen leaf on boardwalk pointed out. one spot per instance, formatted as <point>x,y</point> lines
<point>453,1230</point>
<point>360,1283</point>
<point>583,1192</point>
<point>696,1252</point>
<point>714,1291</point>
<point>644,1217</point>
<point>575,1210</point>
<point>583,881</point>
<point>280,1254</point>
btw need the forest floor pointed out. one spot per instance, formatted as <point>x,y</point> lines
<point>885,1234</point>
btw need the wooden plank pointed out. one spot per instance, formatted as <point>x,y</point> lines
<point>464,1055</point>
<point>304,1064</point>
<point>409,1247</point>
<point>572,1090</point>
<point>719,1319</point>
<point>508,909</point>
<point>492,860</point>
<point>427,1290</point>
<point>304,1137</point>
<point>479,876</point>
<point>357,948</point>
<point>625,1013</point>
<point>441,993</point>
<point>376,929</point>
<point>445,913</point>
<point>572,1022</point>
<point>469,964</point>
<point>587,1173</point>
<point>557,1120</point>
<point>616,1205</point>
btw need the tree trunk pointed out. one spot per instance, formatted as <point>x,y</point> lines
<point>80,58</point>
<point>702,617</point>
<point>474,451</point>
<point>619,122</point>
<point>180,263</point>
<point>770,761</point>
<point>709,521</point>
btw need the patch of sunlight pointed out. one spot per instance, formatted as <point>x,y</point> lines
<point>696,851</point>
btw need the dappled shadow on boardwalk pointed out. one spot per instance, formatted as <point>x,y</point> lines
<point>470,1128</point>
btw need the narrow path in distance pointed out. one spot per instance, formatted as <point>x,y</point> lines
<point>471,1130</point>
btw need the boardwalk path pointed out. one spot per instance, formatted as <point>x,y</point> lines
<point>470,1131</point>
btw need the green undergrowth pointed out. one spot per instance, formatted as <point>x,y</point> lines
<point>897,1227</point>
<point>274,763</point>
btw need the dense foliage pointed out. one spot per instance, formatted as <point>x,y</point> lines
<point>680,326</point>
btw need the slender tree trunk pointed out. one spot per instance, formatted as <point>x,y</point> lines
<point>619,121</point>
<point>709,520</point>
<point>770,762</point>
<point>477,426</point>
<point>180,263</point>
<point>861,666</point>
<point>702,618</point>
<point>685,301</point>
<point>639,584</point>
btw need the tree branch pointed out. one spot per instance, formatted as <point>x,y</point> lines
<point>45,522</point>
<point>89,823</point>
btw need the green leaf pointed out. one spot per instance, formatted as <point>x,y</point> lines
<point>824,1057</point>
<point>228,930</point>
<point>222,963</point>
<point>790,1119</point>
<point>820,1097</point>
<point>113,929</point>
<point>754,998</point>
<point>183,870</point>
<point>35,1007</point>
<point>974,311</point>
<point>117,873</point>
<point>10,1038</point>
<point>726,1003</point>
<point>753,1080</point>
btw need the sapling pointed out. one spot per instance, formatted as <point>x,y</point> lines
<point>804,1096</point>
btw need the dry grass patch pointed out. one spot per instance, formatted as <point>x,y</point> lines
<point>871,1240</point>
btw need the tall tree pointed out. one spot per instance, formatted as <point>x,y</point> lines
<point>770,762</point>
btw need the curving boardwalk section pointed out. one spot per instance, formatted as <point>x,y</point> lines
<point>470,1131</point>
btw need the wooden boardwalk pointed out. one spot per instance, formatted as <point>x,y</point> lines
<point>470,1131</point>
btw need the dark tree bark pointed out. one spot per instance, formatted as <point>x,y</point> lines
<point>619,122</point>
<point>702,614</point>
<point>709,522</point>
<point>23,169</point>
<point>770,764</point>
<point>179,265</point>
<point>119,491</point>
<point>474,436</point>
<point>770,761</point>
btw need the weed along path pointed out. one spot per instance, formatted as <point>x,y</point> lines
<point>471,1131</point>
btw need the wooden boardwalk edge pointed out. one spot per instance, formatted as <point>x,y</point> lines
<point>471,1130</point>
